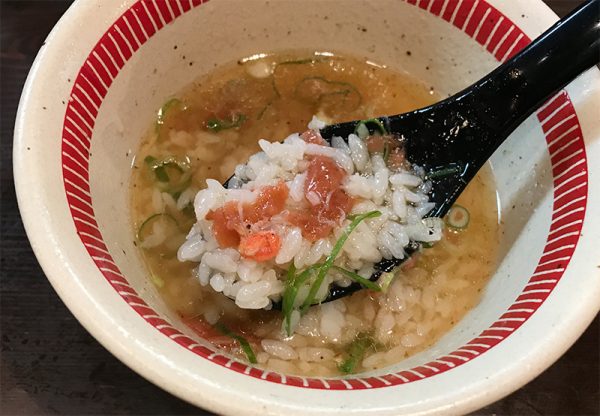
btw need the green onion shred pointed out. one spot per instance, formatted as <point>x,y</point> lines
<point>443,172</point>
<point>385,280</point>
<point>330,259</point>
<point>356,352</point>
<point>289,294</point>
<point>148,221</point>
<point>362,128</point>
<point>386,150</point>
<point>158,282</point>
<point>162,112</point>
<point>244,344</point>
<point>458,217</point>
<point>366,283</point>
<point>301,61</point>
<point>217,124</point>
<point>293,284</point>
<point>160,167</point>
<point>166,109</point>
<point>261,113</point>
<point>326,88</point>
<point>295,281</point>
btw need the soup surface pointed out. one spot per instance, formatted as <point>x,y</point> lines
<point>215,124</point>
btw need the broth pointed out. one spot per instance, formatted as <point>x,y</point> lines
<point>216,124</point>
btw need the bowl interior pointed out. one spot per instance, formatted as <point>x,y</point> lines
<point>410,41</point>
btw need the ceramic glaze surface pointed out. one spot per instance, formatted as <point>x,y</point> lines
<point>125,65</point>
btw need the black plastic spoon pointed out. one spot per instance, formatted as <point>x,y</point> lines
<point>463,131</point>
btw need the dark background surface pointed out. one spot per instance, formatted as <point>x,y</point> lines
<point>50,365</point>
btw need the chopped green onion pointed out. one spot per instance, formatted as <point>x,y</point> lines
<point>426,244</point>
<point>284,63</point>
<point>356,352</point>
<point>275,90</point>
<point>330,259</point>
<point>216,124</point>
<point>261,113</point>
<point>292,286</point>
<point>370,214</point>
<point>244,344</point>
<point>295,281</point>
<point>359,130</point>
<point>386,150</point>
<point>287,300</point>
<point>385,280</point>
<point>304,61</point>
<point>159,171</point>
<point>325,88</point>
<point>346,87</point>
<point>358,278</point>
<point>140,232</point>
<point>458,217</point>
<point>159,168</point>
<point>290,62</point>
<point>443,172</point>
<point>158,282</point>
<point>164,110</point>
<point>301,61</point>
<point>339,92</point>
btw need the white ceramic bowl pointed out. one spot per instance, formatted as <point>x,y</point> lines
<point>107,66</point>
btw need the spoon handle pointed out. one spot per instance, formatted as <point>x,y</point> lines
<point>467,128</point>
<point>508,95</point>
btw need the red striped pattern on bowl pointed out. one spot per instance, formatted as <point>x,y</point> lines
<point>478,19</point>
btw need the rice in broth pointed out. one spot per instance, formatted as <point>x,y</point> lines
<point>223,256</point>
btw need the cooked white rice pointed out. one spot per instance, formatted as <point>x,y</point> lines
<point>399,195</point>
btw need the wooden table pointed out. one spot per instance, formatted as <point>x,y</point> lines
<point>51,365</point>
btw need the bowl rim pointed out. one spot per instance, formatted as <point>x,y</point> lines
<point>120,348</point>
